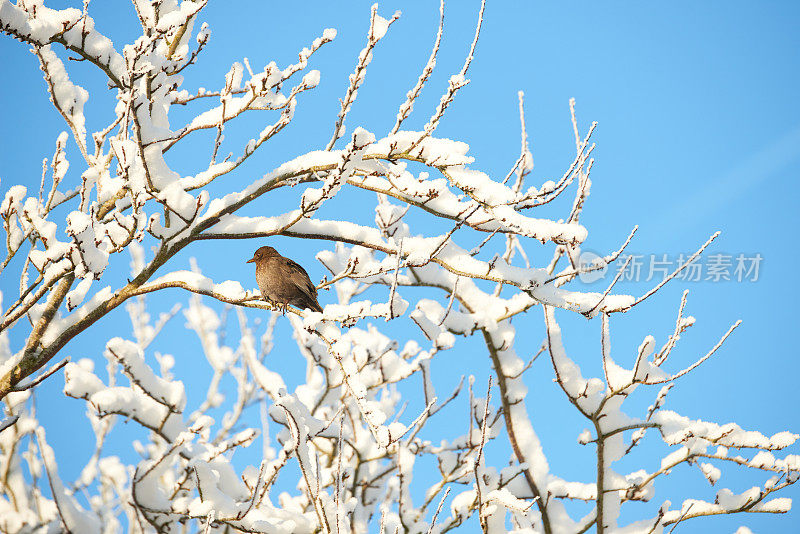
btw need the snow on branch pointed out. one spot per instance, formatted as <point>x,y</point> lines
<point>448,252</point>
<point>600,401</point>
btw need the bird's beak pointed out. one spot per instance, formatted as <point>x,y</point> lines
<point>251,260</point>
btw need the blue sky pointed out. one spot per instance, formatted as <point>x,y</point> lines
<point>699,131</point>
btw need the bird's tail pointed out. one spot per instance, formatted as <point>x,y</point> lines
<point>307,302</point>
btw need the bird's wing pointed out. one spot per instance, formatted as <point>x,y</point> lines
<point>301,278</point>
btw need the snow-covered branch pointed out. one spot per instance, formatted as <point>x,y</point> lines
<point>457,250</point>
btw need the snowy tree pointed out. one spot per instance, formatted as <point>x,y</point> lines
<point>453,253</point>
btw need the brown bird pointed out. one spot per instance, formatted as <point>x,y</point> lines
<point>282,281</point>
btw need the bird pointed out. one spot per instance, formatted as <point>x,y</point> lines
<point>283,281</point>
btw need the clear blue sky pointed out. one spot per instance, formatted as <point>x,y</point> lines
<point>699,130</point>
